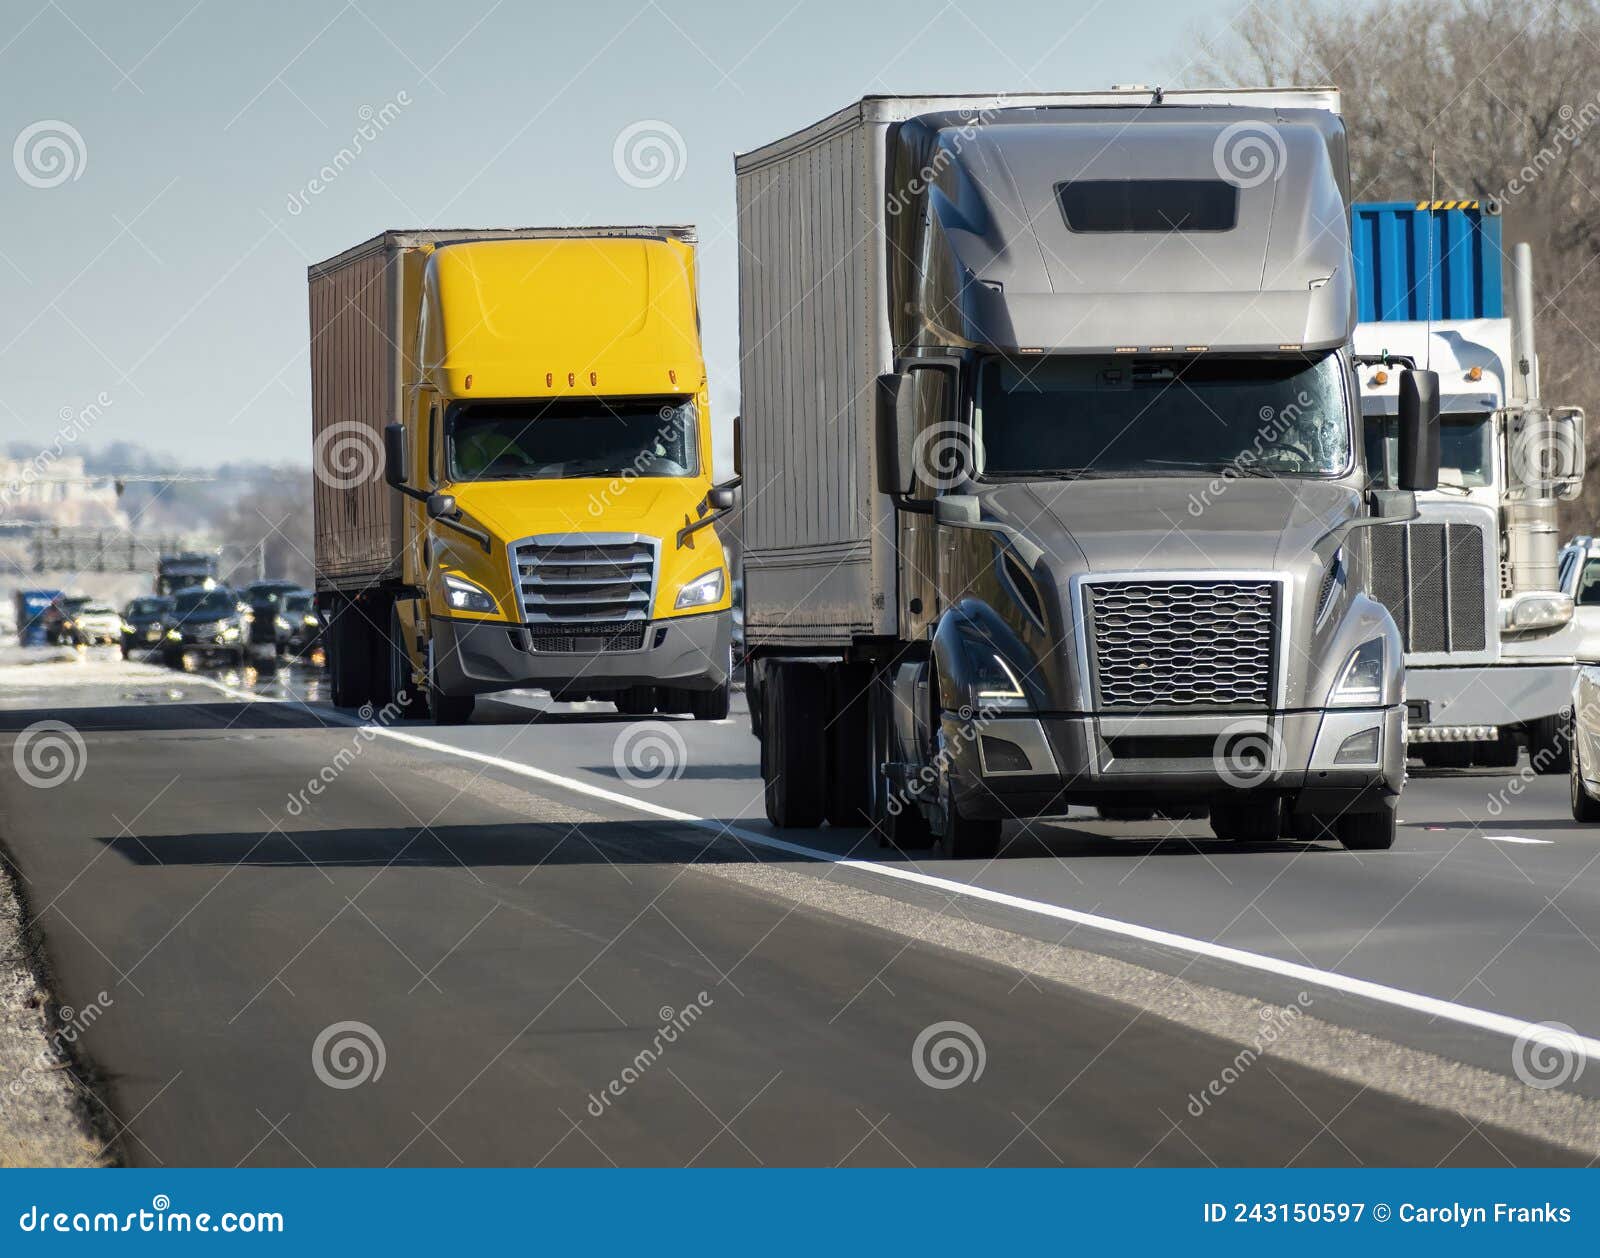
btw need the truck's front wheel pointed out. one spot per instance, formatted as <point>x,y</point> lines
<point>1248,820</point>
<point>1366,831</point>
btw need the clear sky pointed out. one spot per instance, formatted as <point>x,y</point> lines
<point>154,250</point>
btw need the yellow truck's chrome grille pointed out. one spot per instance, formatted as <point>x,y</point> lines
<point>1183,644</point>
<point>585,580</point>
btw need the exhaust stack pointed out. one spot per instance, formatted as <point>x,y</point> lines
<point>1532,535</point>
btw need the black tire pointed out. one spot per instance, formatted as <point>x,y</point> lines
<point>347,647</point>
<point>403,689</point>
<point>1585,807</point>
<point>792,765</point>
<point>710,705</point>
<point>1249,820</point>
<point>1548,749</point>
<point>1503,753</point>
<point>446,709</point>
<point>1124,812</point>
<point>969,838</point>
<point>1367,831</point>
<point>753,681</point>
<point>849,745</point>
<point>1446,755</point>
<point>635,700</point>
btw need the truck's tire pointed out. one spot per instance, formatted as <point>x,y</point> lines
<point>849,745</point>
<point>792,764</point>
<point>969,838</point>
<point>403,690</point>
<point>446,709</point>
<point>1367,831</point>
<point>1548,749</point>
<point>347,648</point>
<point>635,700</point>
<point>1249,820</point>
<point>710,705</point>
<point>1502,753</point>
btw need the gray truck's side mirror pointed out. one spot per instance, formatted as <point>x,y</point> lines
<point>1419,429</point>
<point>907,403</point>
<point>396,464</point>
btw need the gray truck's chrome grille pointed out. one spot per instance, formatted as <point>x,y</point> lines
<point>1431,578</point>
<point>1183,644</point>
<point>585,580</point>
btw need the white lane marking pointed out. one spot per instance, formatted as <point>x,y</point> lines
<point>1517,838</point>
<point>1555,1036</point>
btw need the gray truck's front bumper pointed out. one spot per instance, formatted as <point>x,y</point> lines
<point>1032,766</point>
<point>478,658</point>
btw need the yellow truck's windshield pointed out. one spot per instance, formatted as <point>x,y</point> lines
<point>566,438</point>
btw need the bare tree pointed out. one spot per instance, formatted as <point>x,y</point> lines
<point>1506,95</point>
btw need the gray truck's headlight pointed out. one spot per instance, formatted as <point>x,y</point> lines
<point>994,683</point>
<point>1360,683</point>
<point>703,591</point>
<point>464,596</point>
<point>1536,611</point>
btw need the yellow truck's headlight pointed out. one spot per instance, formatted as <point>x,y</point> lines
<point>464,596</point>
<point>702,591</point>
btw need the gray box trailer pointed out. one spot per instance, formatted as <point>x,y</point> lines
<point>956,611</point>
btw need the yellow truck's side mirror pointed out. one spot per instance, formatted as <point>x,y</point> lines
<point>396,460</point>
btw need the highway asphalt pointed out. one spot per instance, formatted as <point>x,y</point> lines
<point>570,937</point>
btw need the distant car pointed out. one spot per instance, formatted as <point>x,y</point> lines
<point>208,623</point>
<point>1580,577</point>
<point>95,624</point>
<point>268,627</point>
<point>299,612</point>
<point>58,619</point>
<point>144,624</point>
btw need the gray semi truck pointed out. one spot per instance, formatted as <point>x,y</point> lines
<point>1055,492</point>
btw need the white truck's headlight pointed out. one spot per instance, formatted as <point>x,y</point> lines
<point>1536,611</point>
<point>702,591</point>
<point>1360,683</point>
<point>464,596</point>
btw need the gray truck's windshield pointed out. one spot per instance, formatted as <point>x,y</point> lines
<point>565,438</point>
<point>1148,416</point>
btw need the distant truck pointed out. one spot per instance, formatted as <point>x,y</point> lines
<point>185,571</point>
<point>33,608</point>
<point>536,401</point>
<point>1491,650</point>
<point>1050,403</point>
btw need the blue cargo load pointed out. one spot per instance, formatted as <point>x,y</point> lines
<point>31,607</point>
<point>1397,244</point>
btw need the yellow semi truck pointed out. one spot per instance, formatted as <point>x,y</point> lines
<point>513,474</point>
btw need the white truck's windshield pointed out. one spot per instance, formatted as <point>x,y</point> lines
<point>1466,453</point>
<point>1146,416</point>
<point>566,438</point>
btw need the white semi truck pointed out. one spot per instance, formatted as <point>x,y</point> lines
<point>1473,584</point>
